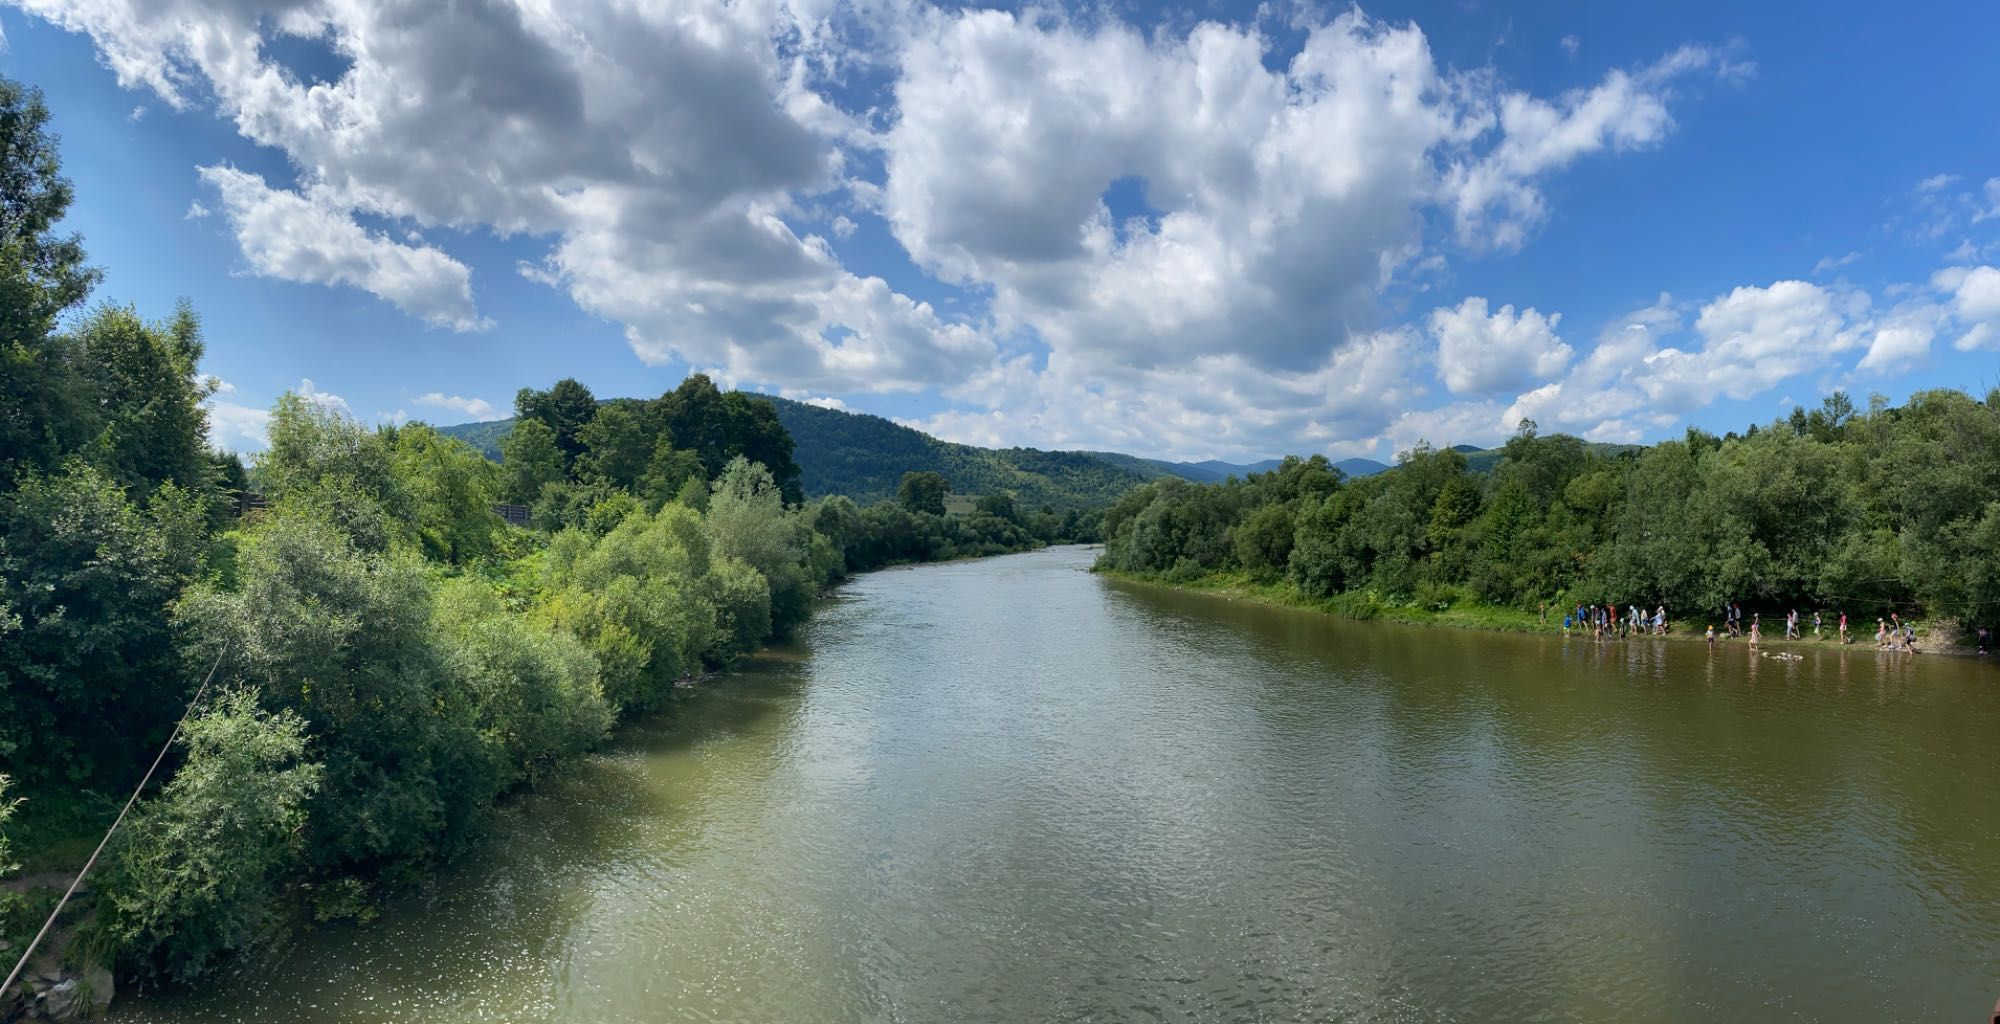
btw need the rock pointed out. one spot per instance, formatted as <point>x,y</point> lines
<point>98,987</point>
<point>62,1002</point>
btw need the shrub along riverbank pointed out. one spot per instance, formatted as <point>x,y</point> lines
<point>391,658</point>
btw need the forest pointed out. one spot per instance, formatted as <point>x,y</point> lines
<point>384,658</point>
<point>1887,509</point>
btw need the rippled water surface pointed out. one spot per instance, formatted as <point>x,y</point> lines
<point>1010,791</point>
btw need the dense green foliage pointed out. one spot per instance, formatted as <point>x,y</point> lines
<point>1895,508</point>
<point>391,657</point>
<point>565,451</point>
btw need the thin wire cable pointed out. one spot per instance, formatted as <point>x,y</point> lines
<point>129,801</point>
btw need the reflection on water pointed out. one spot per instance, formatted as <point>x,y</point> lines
<point>1011,791</point>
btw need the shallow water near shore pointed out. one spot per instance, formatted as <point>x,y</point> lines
<point>1009,791</point>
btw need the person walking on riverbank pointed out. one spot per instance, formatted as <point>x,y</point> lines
<point>1881,632</point>
<point>1792,624</point>
<point>1843,627</point>
<point>1660,621</point>
<point>1983,637</point>
<point>1816,635</point>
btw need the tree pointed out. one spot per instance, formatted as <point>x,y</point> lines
<point>617,445</point>
<point>452,488</point>
<point>923,492</point>
<point>999,505</point>
<point>195,873</point>
<point>747,520</point>
<point>142,377</point>
<point>529,460</point>
<point>565,409</point>
<point>44,414</point>
<point>345,638</point>
<point>719,426</point>
<point>669,471</point>
<point>90,671</point>
<point>320,458</point>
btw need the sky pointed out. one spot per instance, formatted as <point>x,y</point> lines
<point>1213,231</point>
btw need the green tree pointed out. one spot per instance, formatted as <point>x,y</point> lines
<point>617,446</point>
<point>1263,543</point>
<point>747,520</point>
<point>142,378</point>
<point>719,426</point>
<point>452,488</point>
<point>530,461</point>
<point>90,671</point>
<point>923,492</point>
<point>566,408</point>
<point>320,458</point>
<point>44,412</point>
<point>668,472</point>
<point>196,872</point>
<point>345,638</point>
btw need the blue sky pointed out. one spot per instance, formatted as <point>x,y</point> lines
<point>1230,231</point>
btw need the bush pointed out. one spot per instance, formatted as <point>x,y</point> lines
<point>196,872</point>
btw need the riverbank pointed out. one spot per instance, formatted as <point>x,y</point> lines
<point>54,836</point>
<point>1461,613</point>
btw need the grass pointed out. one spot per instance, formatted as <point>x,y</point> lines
<point>1443,608</point>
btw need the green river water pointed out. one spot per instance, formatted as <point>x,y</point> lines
<point>1011,791</point>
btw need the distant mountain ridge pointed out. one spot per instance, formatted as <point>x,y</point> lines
<point>865,456</point>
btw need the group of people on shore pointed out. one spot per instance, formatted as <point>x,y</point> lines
<point>1606,621</point>
<point>1891,634</point>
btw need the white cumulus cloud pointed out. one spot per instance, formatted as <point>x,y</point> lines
<point>294,238</point>
<point>471,408</point>
<point>1481,353</point>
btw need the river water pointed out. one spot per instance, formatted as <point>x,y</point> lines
<point>1011,791</point>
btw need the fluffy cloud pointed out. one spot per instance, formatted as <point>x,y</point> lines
<point>1176,239</point>
<point>1973,294</point>
<point>1276,201</point>
<point>325,400</point>
<point>1752,339</point>
<point>293,238</point>
<point>471,408</point>
<point>1897,347</point>
<point>237,428</point>
<point>1483,354</point>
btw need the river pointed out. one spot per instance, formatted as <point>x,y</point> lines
<point>1011,791</point>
